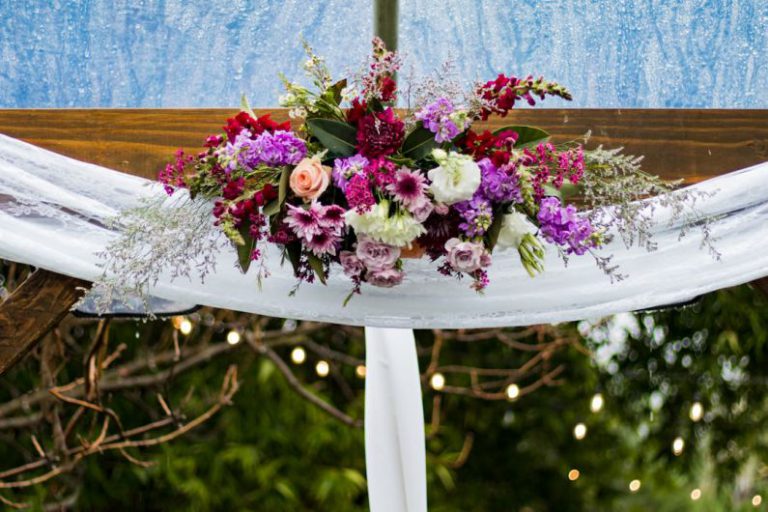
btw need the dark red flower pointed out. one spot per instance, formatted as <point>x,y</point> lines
<point>388,89</point>
<point>380,134</point>
<point>233,189</point>
<point>244,120</point>
<point>357,110</point>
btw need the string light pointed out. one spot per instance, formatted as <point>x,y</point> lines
<point>580,431</point>
<point>322,368</point>
<point>233,337</point>
<point>634,485</point>
<point>360,371</point>
<point>513,391</point>
<point>597,402</point>
<point>678,445</point>
<point>696,412</point>
<point>695,494</point>
<point>298,355</point>
<point>573,475</point>
<point>757,500</point>
<point>437,381</point>
<point>185,326</point>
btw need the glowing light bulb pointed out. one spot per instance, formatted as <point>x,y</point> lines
<point>185,326</point>
<point>437,381</point>
<point>513,391</point>
<point>678,445</point>
<point>695,494</point>
<point>696,412</point>
<point>233,337</point>
<point>757,500</point>
<point>597,402</point>
<point>322,368</point>
<point>298,355</point>
<point>573,475</point>
<point>634,485</point>
<point>580,431</point>
<point>360,371</point>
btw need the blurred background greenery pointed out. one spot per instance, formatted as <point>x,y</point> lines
<point>660,410</point>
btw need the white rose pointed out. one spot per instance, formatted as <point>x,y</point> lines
<point>456,179</point>
<point>514,226</point>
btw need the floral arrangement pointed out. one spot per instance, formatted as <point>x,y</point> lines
<point>356,183</point>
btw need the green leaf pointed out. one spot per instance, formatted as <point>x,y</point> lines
<point>339,137</point>
<point>492,235</point>
<point>317,265</point>
<point>336,90</point>
<point>244,251</point>
<point>275,205</point>
<point>246,107</point>
<point>419,143</point>
<point>293,251</point>
<point>527,136</point>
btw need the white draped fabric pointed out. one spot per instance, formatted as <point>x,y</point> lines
<point>54,212</point>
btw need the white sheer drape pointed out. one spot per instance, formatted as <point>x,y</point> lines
<point>54,213</point>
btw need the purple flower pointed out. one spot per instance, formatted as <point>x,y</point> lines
<point>345,168</point>
<point>386,278</point>
<point>477,214</point>
<point>563,226</point>
<point>274,149</point>
<point>408,187</point>
<point>499,184</point>
<point>467,256</point>
<point>436,118</point>
<point>351,264</point>
<point>376,255</point>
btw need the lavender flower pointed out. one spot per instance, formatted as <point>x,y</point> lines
<point>499,184</point>
<point>477,215</point>
<point>345,168</point>
<point>563,226</point>
<point>274,149</point>
<point>442,119</point>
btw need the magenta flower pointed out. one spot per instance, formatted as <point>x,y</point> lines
<point>304,223</point>
<point>323,243</point>
<point>408,187</point>
<point>359,195</point>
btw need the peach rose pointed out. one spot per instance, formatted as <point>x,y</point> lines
<point>310,178</point>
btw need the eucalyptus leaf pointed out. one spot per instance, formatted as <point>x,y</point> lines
<point>340,138</point>
<point>527,136</point>
<point>245,250</point>
<point>336,90</point>
<point>317,265</point>
<point>419,143</point>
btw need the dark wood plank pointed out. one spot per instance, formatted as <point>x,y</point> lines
<point>691,144</point>
<point>33,309</point>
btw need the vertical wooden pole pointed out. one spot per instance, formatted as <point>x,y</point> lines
<point>385,17</point>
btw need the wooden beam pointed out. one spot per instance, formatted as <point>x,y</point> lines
<point>33,309</point>
<point>693,144</point>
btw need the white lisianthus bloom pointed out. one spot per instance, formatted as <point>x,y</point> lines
<point>456,179</point>
<point>514,226</point>
<point>398,230</point>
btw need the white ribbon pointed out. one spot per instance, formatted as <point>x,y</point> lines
<point>394,422</point>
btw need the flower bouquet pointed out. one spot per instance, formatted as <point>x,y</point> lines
<point>358,184</point>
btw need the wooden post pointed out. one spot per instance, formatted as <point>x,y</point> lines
<point>33,309</point>
<point>385,17</point>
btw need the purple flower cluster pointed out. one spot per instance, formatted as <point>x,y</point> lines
<point>274,149</point>
<point>345,168</point>
<point>563,226</point>
<point>499,184</point>
<point>319,227</point>
<point>436,118</point>
<point>476,214</point>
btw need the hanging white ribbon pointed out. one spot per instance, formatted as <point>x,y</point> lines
<point>54,212</point>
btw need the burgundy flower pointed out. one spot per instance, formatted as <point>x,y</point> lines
<point>357,111</point>
<point>380,134</point>
<point>257,126</point>
<point>388,89</point>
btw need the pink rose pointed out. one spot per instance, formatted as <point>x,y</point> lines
<point>422,209</point>
<point>386,278</point>
<point>310,178</point>
<point>351,264</point>
<point>376,255</point>
<point>466,256</point>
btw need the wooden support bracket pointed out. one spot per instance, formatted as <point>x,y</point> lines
<point>33,309</point>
